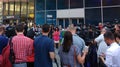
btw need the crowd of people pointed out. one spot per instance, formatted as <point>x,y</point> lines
<point>78,46</point>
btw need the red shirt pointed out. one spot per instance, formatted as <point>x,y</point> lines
<point>22,47</point>
<point>56,35</point>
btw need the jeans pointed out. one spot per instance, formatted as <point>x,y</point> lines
<point>20,65</point>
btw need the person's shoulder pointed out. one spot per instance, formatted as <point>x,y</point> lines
<point>4,37</point>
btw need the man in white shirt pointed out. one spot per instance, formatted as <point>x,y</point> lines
<point>113,52</point>
<point>102,46</point>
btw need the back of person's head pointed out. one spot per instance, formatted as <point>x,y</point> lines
<point>109,35</point>
<point>117,34</point>
<point>45,28</point>
<point>19,27</point>
<point>67,41</point>
<point>71,28</point>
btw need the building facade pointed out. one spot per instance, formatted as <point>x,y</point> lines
<point>64,12</point>
<point>16,10</point>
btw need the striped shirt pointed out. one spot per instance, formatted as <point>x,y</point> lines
<point>22,47</point>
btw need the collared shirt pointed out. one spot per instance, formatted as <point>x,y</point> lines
<point>79,42</point>
<point>22,47</point>
<point>102,45</point>
<point>113,55</point>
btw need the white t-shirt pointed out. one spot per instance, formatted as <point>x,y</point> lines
<point>102,46</point>
<point>113,55</point>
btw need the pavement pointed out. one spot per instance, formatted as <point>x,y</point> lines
<point>58,59</point>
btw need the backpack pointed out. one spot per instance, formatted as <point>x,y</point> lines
<point>4,57</point>
<point>91,58</point>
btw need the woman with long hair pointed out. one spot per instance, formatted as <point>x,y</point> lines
<point>70,54</point>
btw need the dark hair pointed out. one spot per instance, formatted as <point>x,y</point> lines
<point>19,27</point>
<point>45,28</point>
<point>109,35</point>
<point>68,40</point>
<point>117,34</point>
<point>56,29</point>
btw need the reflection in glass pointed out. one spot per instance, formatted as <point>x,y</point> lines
<point>50,4</point>
<point>93,16</point>
<point>62,4</point>
<point>17,8</point>
<point>11,8</point>
<point>5,10</point>
<point>40,18</point>
<point>23,8</point>
<point>40,5</point>
<point>31,9</point>
<point>76,3</point>
<point>92,3</point>
<point>111,14</point>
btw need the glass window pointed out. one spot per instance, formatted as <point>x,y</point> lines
<point>66,23</point>
<point>111,14</point>
<point>51,17</point>
<point>93,16</point>
<point>51,4</point>
<point>23,8</point>
<point>61,23</point>
<point>92,3</point>
<point>111,2</point>
<point>74,21</point>
<point>1,9</point>
<point>76,3</point>
<point>40,5</point>
<point>17,8</point>
<point>11,8</point>
<point>31,9</point>
<point>81,21</point>
<point>5,10</point>
<point>40,18</point>
<point>63,4</point>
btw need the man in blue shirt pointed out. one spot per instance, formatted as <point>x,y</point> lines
<point>44,49</point>
<point>3,39</point>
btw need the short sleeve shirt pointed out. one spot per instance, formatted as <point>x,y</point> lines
<point>43,45</point>
<point>79,42</point>
<point>68,58</point>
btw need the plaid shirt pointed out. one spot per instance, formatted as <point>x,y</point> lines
<point>22,47</point>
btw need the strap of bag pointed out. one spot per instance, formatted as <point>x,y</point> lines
<point>11,44</point>
<point>12,59</point>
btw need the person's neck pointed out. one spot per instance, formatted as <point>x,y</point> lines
<point>19,32</point>
<point>111,42</point>
<point>73,33</point>
<point>45,34</point>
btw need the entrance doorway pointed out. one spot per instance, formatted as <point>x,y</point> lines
<point>65,22</point>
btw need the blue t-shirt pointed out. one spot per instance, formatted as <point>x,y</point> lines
<point>3,42</point>
<point>43,45</point>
